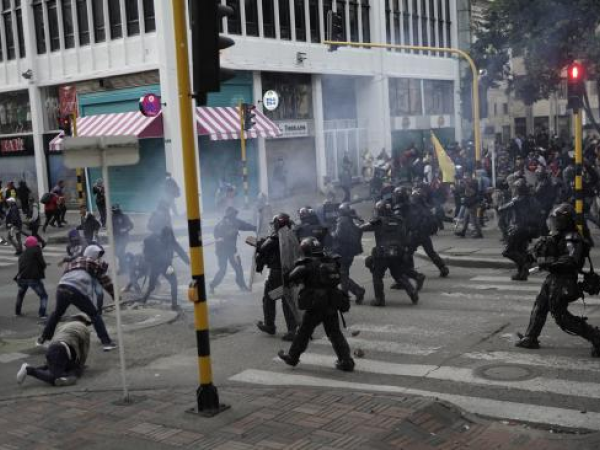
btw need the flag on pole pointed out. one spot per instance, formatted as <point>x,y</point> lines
<point>445,162</point>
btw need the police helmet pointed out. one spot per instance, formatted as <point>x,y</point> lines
<point>400,195</point>
<point>281,220</point>
<point>311,246</point>
<point>383,208</point>
<point>563,217</point>
<point>345,209</point>
<point>305,212</point>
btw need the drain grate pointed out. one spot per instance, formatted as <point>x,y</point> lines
<point>506,372</point>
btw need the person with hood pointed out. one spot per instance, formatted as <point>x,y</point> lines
<point>122,225</point>
<point>90,227</point>
<point>98,191</point>
<point>160,218</point>
<point>33,222</point>
<point>31,274</point>
<point>23,193</point>
<point>159,251</point>
<point>66,355</point>
<point>226,235</point>
<point>14,225</point>
<point>50,201</point>
<point>76,288</point>
<point>61,203</point>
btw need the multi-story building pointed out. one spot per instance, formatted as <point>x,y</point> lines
<point>331,103</point>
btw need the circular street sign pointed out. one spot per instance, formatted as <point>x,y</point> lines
<point>150,105</point>
<point>271,100</point>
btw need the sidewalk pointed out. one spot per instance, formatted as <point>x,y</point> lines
<point>263,418</point>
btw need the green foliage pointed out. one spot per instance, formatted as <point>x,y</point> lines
<point>548,34</point>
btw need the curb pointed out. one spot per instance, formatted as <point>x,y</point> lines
<point>470,262</point>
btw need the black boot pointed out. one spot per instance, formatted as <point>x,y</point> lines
<point>378,302</point>
<point>444,271</point>
<point>360,297</point>
<point>286,358</point>
<point>346,365</point>
<point>420,281</point>
<point>528,342</point>
<point>266,328</point>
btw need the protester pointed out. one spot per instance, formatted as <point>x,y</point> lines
<point>14,223</point>
<point>31,275</point>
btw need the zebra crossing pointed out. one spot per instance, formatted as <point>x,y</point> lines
<point>551,386</point>
<point>9,259</point>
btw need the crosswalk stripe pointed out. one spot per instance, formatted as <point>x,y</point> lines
<point>551,361</point>
<point>505,279</point>
<point>498,287</point>
<point>394,329</point>
<point>484,406</point>
<point>3,264</point>
<point>463,375</point>
<point>399,348</point>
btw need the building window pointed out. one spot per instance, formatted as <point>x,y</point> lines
<point>269,18</point>
<point>300,20</point>
<point>15,113</point>
<point>406,20</point>
<point>448,25</point>
<point>234,22</point>
<point>1,54</point>
<point>441,24</point>
<point>133,18</point>
<point>284,20</point>
<point>415,22</point>
<point>149,18</point>
<point>20,35</point>
<point>353,10</point>
<point>251,8</point>
<point>53,25</point>
<point>114,14</point>
<point>38,20</point>
<point>315,21</point>
<point>8,30</point>
<point>82,21</point>
<point>405,97</point>
<point>424,24</point>
<point>67,16</point>
<point>433,42</point>
<point>99,23</point>
<point>439,97</point>
<point>366,24</point>
<point>295,92</point>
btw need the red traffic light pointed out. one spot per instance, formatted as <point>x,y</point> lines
<point>575,73</point>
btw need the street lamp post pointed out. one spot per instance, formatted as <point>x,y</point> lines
<point>454,51</point>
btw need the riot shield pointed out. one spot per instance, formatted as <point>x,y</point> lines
<point>289,252</point>
<point>263,218</point>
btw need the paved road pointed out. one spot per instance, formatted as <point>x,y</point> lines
<point>457,344</point>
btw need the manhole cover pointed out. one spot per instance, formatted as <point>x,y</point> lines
<point>506,372</point>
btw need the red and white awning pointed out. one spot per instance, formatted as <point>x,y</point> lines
<point>117,124</point>
<point>222,123</point>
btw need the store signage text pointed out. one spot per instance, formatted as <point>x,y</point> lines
<point>293,129</point>
<point>17,145</point>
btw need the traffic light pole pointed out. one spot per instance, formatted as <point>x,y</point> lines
<point>455,51</point>
<point>80,173</point>
<point>579,169</point>
<point>244,159</point>
<point>207,396</point>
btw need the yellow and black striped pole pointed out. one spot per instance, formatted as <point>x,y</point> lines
<point>80,173</point>
<point>207,396</point>
<point>579,170</point>
<point>244,160</point>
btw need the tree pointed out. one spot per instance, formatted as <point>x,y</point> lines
<point>547,34</point>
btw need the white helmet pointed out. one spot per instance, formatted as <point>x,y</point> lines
<point>93,252</point>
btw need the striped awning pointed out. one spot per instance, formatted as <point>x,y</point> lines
<point>117,124</point>
<point>222,123</point>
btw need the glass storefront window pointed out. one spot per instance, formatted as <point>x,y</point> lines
<point>439,97</point>
<point>405,97</point>
<point>149,18</point>
<point>15,113</point>
<point>295,92</point>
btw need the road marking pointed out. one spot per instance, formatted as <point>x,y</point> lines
<point>394,329</point>
<point>462,375</point>
<point>505,279</point>
<point>571,418</point>
<point>384,346</point>
<point>10,357</point>
<point>498,287</point>
<point>554,362</point>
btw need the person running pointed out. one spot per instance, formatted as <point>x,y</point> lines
<point>31,274</point>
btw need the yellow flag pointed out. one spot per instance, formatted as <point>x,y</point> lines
<point>445,162</point>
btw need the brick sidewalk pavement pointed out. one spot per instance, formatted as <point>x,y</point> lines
<point>262,418</point>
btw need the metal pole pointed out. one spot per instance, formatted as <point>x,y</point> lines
<point>244,160</point>
<point>455,51</point>
<point>207,396</point>
<point>579,170</point>
<point>80,173</point>
<point>113,266</point>
<point>494,165</point>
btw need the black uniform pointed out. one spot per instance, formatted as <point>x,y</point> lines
<point>389,253</point>
<point>226,234</point>
<point>122,225</point>
<point>524,218</point>
<point>267,254</point>
<point>563,256</point>
<point>321,300</point>
<point>310,226</point>
<point>545,193</point>
<point>347,244</point>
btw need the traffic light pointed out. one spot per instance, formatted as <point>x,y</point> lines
<point>575,86</point>
<point>207,43</point>
<point>248,116</point>
<point>335,29</point>
<point>65,125</point>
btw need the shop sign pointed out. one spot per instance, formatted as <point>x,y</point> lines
<point>293,129</point>
<point>67,99</point>
<point>271,100</point>
<point>16,146</point>
<point>150,105</point>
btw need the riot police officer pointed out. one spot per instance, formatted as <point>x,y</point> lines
<point>267,254</point>
<point>388,253</point>
<point>321,300</point>
<point>310,225</point>
<point>347,244</point>
<point>562,254</point>
<point>524,216</point>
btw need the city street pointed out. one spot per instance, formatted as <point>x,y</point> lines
<point>456,345</point>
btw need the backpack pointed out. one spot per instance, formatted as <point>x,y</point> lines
<point>328,273</point>
<point>46,198</point>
